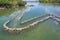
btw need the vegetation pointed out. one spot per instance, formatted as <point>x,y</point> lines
<point>50,1</point>
<point>11,3</point>
<point>9,11</point>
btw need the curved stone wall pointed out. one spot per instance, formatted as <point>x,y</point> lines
<point>17,30</point>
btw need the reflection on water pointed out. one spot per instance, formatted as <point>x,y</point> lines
<point>56,22</point>
<point>32,3</point>
<point>16,16</point>
<point>32,11</point>
<point>48,30</point>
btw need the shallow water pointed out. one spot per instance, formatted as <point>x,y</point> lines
<point>48,30</point>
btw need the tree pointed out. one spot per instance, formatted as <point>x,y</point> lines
<point>11,3</point>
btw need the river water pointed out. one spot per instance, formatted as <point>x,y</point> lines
<point>48,30</point>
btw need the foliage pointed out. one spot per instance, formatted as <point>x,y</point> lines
<point>10,3</point>
<point>50,1</point>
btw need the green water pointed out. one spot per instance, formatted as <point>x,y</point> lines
<point>48,30</point>
<point>43,31</point>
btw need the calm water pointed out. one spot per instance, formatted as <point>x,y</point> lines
<point>48,30</point>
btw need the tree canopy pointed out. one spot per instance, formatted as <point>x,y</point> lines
<point>11,2</point>
<point>50,1</point>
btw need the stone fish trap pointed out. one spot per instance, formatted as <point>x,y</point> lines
<point>18,30</point>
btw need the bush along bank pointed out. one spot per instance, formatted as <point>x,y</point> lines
<point>49,1</point>
<point>11,3</point>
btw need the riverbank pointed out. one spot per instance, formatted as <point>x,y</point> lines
<point>9,11</point>
<point>11,3</point>
<point>49,1</point>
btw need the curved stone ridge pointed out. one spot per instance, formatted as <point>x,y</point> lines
<point>17,30</point>
<point>34,18</point>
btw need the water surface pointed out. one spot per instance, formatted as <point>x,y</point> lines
<point>48,30</point>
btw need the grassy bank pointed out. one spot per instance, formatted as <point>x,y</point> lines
<point>9,11</point>
<point>49,1</point>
